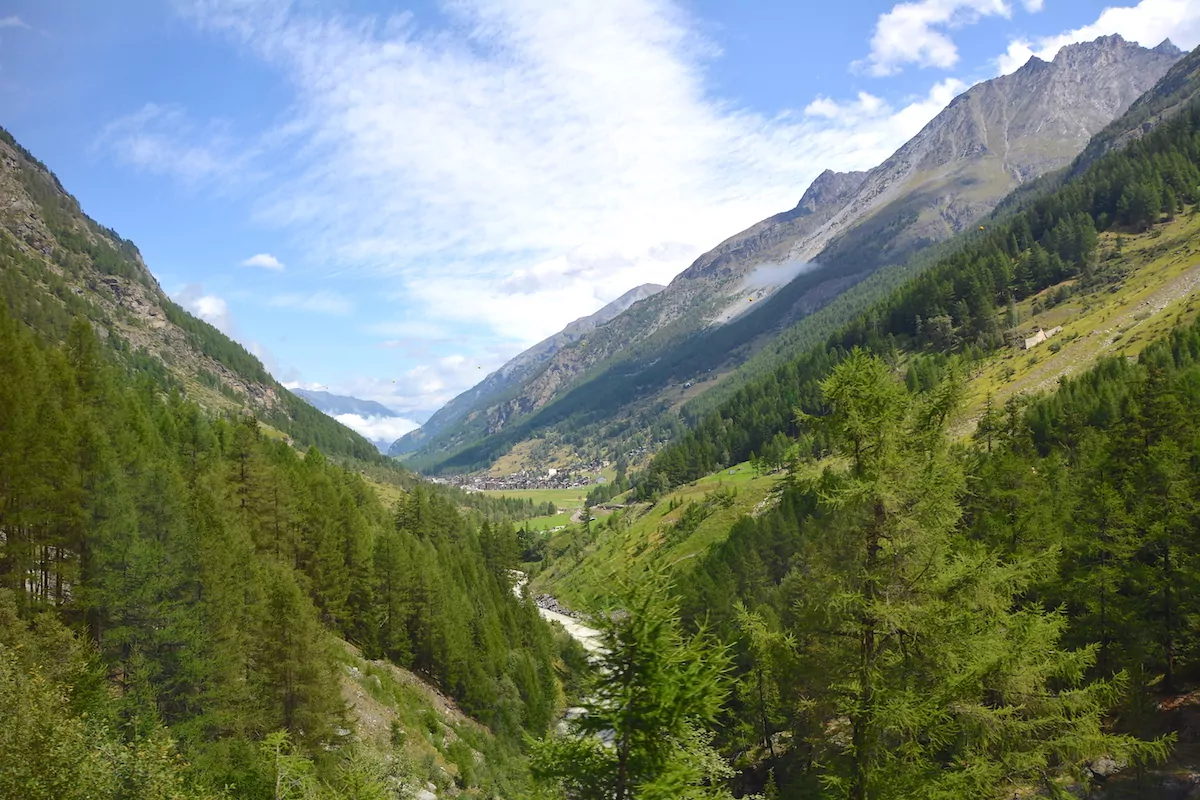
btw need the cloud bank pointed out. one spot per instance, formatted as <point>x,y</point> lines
<point>378,429</point>
<point>1147,23</point>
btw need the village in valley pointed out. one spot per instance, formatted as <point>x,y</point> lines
<point>578,476</point>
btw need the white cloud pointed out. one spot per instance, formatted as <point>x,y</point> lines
<point>13,22</point>
<point>1147,23</point>
<point>378,429</point>
<point>161,140</point>
<point>208,307</point>
<point>916,32</point>
<point>264,261</point>
<point>320,302</point>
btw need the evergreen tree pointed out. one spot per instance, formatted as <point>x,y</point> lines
<point>911,634</point>
<point>659,690</point>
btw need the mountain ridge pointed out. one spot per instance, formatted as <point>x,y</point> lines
<point>518,368</point>
<point>59,263</point>
<point>954,171</point>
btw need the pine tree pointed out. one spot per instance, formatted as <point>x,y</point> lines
<point>659,690</point>
<point>908,635</point>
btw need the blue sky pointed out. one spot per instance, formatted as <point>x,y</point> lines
<point>391,199</point>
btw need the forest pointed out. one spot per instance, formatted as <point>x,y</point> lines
<point>171,586</point>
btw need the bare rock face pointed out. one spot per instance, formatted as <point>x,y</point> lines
<point>988,141</point>
<point>830,189</point>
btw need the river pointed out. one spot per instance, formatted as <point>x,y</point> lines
<point>588,637</point>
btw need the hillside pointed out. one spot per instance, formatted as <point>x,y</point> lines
<point>734,300</point>
<point>201,577</point>
<point>509,379</point>
<point>56,263</point>
<point>1157,288</point>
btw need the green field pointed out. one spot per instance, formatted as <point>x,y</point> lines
<point>546,523</point>
<point>563,498</point>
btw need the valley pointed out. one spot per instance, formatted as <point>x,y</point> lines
<point>892,495</point>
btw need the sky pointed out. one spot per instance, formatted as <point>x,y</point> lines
<point>389,200</point>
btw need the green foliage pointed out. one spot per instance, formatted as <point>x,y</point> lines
<point>60,737</point>
<point>659,690</point>
<point>895,629</point>
<point>207,565</point>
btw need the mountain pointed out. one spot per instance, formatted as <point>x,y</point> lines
<point>336,404</point>
<point>515,372</point>
<point>1176,89</point>
<point>738,297</point>
<point>378,423</point>
<point>56,263</point>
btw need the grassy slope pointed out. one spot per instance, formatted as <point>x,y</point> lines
<point>1159,288</point>
<point>1163,271</point>
<point>578,574</point>
<point>413,726</point>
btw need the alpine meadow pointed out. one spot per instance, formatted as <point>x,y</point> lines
<point>456,431</point>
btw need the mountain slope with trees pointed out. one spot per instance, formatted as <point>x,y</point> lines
<point>207,568</point>
<point>952,307</point>
<point>625,384</point>
<point>56,263</point>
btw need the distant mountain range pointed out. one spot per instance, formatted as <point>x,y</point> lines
<point>334,404</point>
<point>737,299</point>
<point>380,424</point>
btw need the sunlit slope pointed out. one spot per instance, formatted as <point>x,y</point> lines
<point>681,525</point>
<point>1161,276</point>
<point>1159,285</point>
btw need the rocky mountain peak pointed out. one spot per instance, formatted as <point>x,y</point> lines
<point>1167,47</point>
<point>830,187</point>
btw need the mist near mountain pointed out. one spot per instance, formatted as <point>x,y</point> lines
<point>378,423</point>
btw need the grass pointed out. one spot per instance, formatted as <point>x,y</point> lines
<point>1162,268</point>
<point>579,570</point>
<point>548,522</point>
<point>388,493</point>
<point>563,498</point>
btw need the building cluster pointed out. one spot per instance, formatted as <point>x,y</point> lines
<point>524,480</point>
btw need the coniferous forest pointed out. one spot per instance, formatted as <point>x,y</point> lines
<point>173,585</point>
